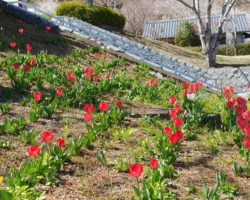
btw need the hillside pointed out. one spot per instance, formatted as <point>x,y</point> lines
<point>80,122</point>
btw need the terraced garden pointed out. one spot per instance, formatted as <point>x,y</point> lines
<point>88,124</point>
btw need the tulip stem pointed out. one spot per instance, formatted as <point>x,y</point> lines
<point>138,184</point>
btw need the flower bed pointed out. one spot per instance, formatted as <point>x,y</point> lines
<point>70,115</point>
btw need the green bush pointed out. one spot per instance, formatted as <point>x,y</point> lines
<point>186,35</point>
<point>97,15</point>
<point>228,50</point>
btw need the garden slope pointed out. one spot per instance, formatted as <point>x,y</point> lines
<point>85,177</point>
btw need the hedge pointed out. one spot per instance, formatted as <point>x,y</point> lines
<point>96,15</point>
<point>228,50</point>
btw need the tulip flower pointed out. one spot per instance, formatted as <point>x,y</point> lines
<point>21,30</point>
<point>152,82</point>
<point>37,96</point>
<point>167,130</point>
<point>60,142</point>
<point>26,67</point>
<point>103,106</point>
<point>246,143</point>
<point>34,151</point>
<point>13,44</point>
<point>177,122</point>
<point>33,62</point>
<point>119,104</point>
<point>16,66</point>
<point>153,163</point>
<point>95,78</point>
<point>59,92</point>
<point>47,136</point>
<point>135,170</point>
<point>88,117</point>
<point>28,47</point>
<point>88,108</point>
<point>71,77</point>
<point>172,100</point>
<point>47,28</point>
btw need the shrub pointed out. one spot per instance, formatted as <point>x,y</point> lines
<point>186,35</point>
<point>228,50</point>
<point>97,15</point>
<point>243,49</point>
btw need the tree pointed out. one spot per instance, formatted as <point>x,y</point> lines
<point>186,35</point>
<point>89,2</point>
<point>209,39</point>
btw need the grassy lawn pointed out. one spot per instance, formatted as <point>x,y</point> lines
<point>78,122</point>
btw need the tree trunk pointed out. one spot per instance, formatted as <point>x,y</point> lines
<point>89,2</point>
<point>211,58</point>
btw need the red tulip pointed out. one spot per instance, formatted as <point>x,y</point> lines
<point>13,44</point>
<point>152,82</point>
<point>28,47</point>
<point>172,100</point>
<point>246,143</point>
<point>106,56</point>
<point>16,66</point>
<point>95,78</point>
<point>59,91</point>
<point>96,54</point>
<point>47,28</point>
<point>88,108</point>
<point>119,104</point>
<point>185,85</point>
<point>70,76</point>
<point>154,164</point>
<point>26,67</point>
<point>60,142</point>
<point>167,130</point>
<point>47,136</point>
<point>231,103</point>
<point>21,30</point>
<point>37,96</point>
<point>179,134</point>
<point>33,62</point>
<point>177,108</point>
<point>177,122</point>
<point>34,151</point>
<point>89,70</point>
<point>241,101</point>
<point>103,106</point>
<point>88,117</point>
<point>247,130</point>
<point>173,113</point>
<point>173,138</point>
<point>87,75</point>
<point>108,75</point>
<point>242,124</point>
<point>135,170</point>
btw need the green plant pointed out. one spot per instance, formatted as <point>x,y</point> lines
<point>5,144</point>
<point>221,186</point>
<point>153,187</point>
<point>186,35</point>
<point>12,126</point>
<point>4,107</point>
<point>97,15</point>
<point>29,136</point>
<point>121,164</point>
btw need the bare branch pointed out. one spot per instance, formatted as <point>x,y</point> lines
<point>186,4</point>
